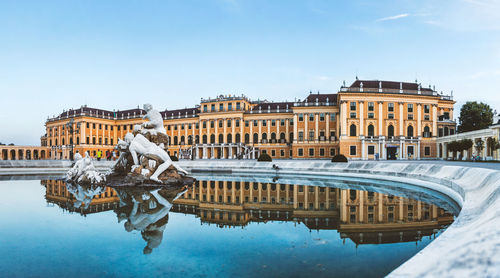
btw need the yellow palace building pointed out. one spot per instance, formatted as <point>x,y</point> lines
<point>366,120</point>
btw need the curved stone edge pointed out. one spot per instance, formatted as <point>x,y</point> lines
<point>470,247</point>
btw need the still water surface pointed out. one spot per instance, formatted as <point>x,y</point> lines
<point>217,227</point>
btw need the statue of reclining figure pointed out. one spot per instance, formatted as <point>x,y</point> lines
<point>155,123</point>
<point>139,145</point>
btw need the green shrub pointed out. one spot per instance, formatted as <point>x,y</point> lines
<point>174,158</point>
<point>264,157</point>
<point>339,158</point>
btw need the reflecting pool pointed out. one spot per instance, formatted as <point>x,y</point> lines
<point>220,226</point>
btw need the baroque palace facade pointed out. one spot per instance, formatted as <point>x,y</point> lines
<point>367,120</point>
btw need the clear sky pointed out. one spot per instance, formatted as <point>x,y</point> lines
<point>57,55</point>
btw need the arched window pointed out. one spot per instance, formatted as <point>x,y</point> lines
<point>221,138</point>
<point>390,131</point>
<point>229,138</point>
<point>427,132</point>
<point>176,141</point>
<point>78,140</point>
<point>255,138</point>
<point>212,138</point>
<point>352,130</point>
<point>197,139</point>
<point>273,137</point>
<point>290,139</point>
<point>56,142</point>
<point>282,137</point>
<point>205,139</point>
<point>446,131</point>
<point>409,131</point>
<point>183,140</point>
<point>63,141</point>
<point>190,139</point>
<point>71,140</point>
<point>247,138</point>
<point>371,130</point>
<point>237,138</point>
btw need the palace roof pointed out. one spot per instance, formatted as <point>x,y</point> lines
<point>375,84</point>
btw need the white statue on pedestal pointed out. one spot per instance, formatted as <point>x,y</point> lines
<point>84,171</point>
<point>155,123</point>
<point>140,145</point>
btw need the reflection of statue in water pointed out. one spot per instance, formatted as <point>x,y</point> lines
<point>146,211</point>
<point>139,145</point>
<point>155,123</point>
<point>83,194</point>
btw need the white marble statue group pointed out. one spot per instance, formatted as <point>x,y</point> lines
<point>137,145</point>
<point>84,171</point>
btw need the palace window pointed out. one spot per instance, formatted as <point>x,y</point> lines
<point>332,117</point>
<point>426,108</point>
<point>238,106</point>
<point>410,116</point>
<point>390,116</point>
<point>409,131</point>
<point>221,123</point>
<point>311,117</point>
<point>247,123</point>
<point>353,115</point>
<point>371,130</point>
<point>371,106</point>
<point>212,124</point>
<point>282,122</point>
<point>93,126</point>
<point>301,136</point>
<point>255,123</point>
<point>204,124</point>
<point>427,117</point>
<point>301,117</point>
<point>390,131</point>
<point>371,150</point>
<point>264,122</point>
<point>322,152</point>
<point>175,127</point>
<point>282,153</point>
<point>352,130</point>
<point>427,151</point>
<point>410,108</point>
<point>300,152</point>
<point>237,123</point>
<point>100,126</point>
<point>230,106</point>
<point>182,127</point>
<point>221,107</point>
<point>390,107</point>
<point>205,108</point>
<point>352,150</point>
<point>212,108</point>
<point>410,151</point>
<point>311,151</point>
<point>427,132</point>
<point>228,123</point>
<point>273,153</point>
<point>353,106</point>
<point>273,122</point>
<point>190,126</point>
<point>332,152</point>
<point>311,135</point>
<point>371,115</point>
<point>87,125</point>
<point>322,117</point>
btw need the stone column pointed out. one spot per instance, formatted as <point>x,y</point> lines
<point>380,118</point>
<point>343,118</point>
<point>205,152</point>
<point>361,118</point>
<point>361,205</point>
<point>268,130</point>
<point>295,127</point>
<point>434,120</point>
<point>363,156</point>
<point>419,119</point>
<point>224,124</point>
<point>260,131</point>
<point>306,129</point>
<point>343,205</point>
<point>295,196</point>
<point>380,207</point>
<point>233,128</point>
<point>316,127</point>
<point>316,197</point>
<point>327,129</point>
<point>216,131</point>
<point>251,133</point>
<point>401,120</point>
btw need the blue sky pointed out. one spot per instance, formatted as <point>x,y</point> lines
<point>56,55</point>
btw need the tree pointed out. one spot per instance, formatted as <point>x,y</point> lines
<point>474,116</point>
<point>465,144</point>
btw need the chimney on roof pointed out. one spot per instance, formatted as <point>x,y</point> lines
<point>380,86</point>
<point>361,86</point>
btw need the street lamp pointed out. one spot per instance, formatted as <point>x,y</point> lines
<point>72,131</point>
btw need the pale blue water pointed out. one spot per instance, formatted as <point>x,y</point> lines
<point>40,239</point>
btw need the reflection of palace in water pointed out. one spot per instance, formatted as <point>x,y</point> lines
<point>362,216</point>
